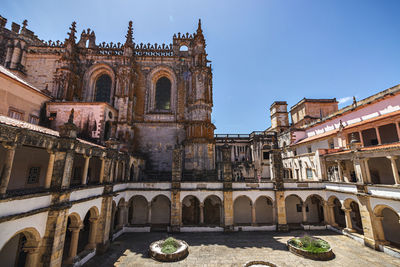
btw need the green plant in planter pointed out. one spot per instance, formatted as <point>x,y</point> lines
<point>310,244</point>
<point>170,245</point>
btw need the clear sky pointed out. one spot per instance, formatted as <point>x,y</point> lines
<point>261,51</point>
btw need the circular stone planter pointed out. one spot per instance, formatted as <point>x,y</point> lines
<point>321,256</point>
<point>259,264</point>
<point>179,254</point>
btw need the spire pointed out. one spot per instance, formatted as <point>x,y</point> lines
<point>199,34</point>
<point>129,34</point>
<point>24,24</point>
<point>199,30</point>
<point>71,34</point>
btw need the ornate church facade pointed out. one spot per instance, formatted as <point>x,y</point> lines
<point>102,139</point>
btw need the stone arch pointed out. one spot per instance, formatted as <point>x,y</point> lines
<point>190,210</point>
<point>90,78</point>
<point>293,207</point>
<point>74,225</point>
<point>160,210</point>
<point>264,210</point>
<point>315,209</point>
<point>337,212</point>
<point>87,234</point>
<point>390,224</point>
<point>353,207</point>
<point>212,206</point>
<point>138,210</point>
<point>21,249</point>
<point>242,210</point>
<point>157,73</point>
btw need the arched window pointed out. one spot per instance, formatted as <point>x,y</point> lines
<point>103,88</point>
<point>163,94</point>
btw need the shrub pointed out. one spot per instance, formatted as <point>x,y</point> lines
<point>310,244</point>
<point>170,245</point>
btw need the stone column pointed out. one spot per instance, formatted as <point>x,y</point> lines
<point>304,212</point>
<point>31,257</point>
<point>101,178</point>
<point>121,216</point>
<point>349,224</point>
<point>49,172</point>
<point>201,213</point>
<point>149,213</point>
<point>378,136</point>
<point>73,247</point>
<point>361,138</point>
<point>379,233</point>
<point>281,210</point>
<point>340,171</point>
<point>85,169</point>
<point>397,129</point>
<point>116,163</point>
<point>7,168</point>
<point>331,215</point>
<point>253,214</point>
<point>123,172</point>
<point>359,170</point>
<point>326,214</point>
<point>367,172</point>
<point>92,234</point>
<point>394,169</point>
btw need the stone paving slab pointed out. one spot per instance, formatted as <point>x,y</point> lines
<point>235,249</point>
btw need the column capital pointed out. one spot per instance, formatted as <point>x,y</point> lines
<point>31,250</point>
<point>392,157</point>
<point>75,228</point>
<point>379,217</point>
<point>9,145</point>
<point>93,219</point>
<point>346,209</point>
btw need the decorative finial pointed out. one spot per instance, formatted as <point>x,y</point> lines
<point>199,30</point>
<point>354,101</point>
<point>71,116</point>
<point>129,34</point>
<point>72,32</point>
<point>24,24</point>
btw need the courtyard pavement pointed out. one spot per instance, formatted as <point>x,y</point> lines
<point>235,249</point>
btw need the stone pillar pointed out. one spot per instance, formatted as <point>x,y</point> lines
<point>378,229</point>
<point>331,215</point>
<point>73,247</point>
<point>253,214</point>
<point>149,213</point>
<point>92,234</point>
<point>304,212</point>
<point>7,168</point>
<point>326,214</point>
<point>378,136</point>
<point>228,211</point>
<point>397,129</point>
<point>340,171</point>
<point>361,138</point>
<point>101,178</point>
<point>85,169</point>
<point>201,213</point>
<point>281,209</point>
<point>176,205</point>
<point>104,223</point>
<point>228,194</point>
<point>359,170</point>
<point>31,257</point>
<point>367,172</point>
<point>49,172</point>
<point>121,215</point>
<point>394,169</point>
<point>116,163</point>
<point>349,224</point>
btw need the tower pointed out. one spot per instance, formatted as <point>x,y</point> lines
<point>199,143</point>
<point>279,116</point>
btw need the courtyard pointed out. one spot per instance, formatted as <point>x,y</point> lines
<point>235,249</point>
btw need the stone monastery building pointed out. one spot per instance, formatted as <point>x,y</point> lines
<point>100,139</point>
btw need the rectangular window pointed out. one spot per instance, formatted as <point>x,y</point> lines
<point>33,119</point>
<point>12,113</point>
<point>33,175</point>
<point>309,173</point>
<point>309,149</point>
<point>331,144</point>
<point>265,155</point>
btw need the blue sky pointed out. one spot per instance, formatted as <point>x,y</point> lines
<point>261,51</point>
